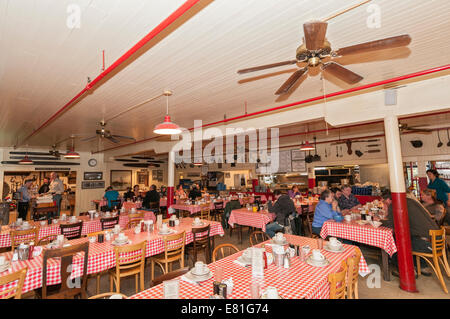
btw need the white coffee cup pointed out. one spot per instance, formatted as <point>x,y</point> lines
<point>137,229</point>
<point>272,293</point>
<point>43,223</point>
<point>19,221</point>
<point>279,236</point>
<point>60,238</point>
<point>122,236</point>
<point>92,239</point>
<point>197,220</point>
<point>317,255</point>
<point>348,218</point>
<point>199,267</point>
<point>334,242</point>
<point>164,227</point>
<point>55,221</point>
<point>2,260</point>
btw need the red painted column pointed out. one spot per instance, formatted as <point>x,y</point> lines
<point>399,207</point>
<point>311,183</point>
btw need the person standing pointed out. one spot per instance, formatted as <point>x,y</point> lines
<point>24,202</point>
<point>56,189</point>
<point>440,186</point>
<point>45,188</point>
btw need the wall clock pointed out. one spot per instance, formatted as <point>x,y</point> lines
<point>92,162</point>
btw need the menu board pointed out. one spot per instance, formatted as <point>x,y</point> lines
<point>299,166</point>
<point>284,162</point>
<point>297,155</point>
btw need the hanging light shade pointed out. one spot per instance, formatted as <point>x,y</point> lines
<point>71,154</point>
<point>306,147</point>
<point>167,127</point>
<point>25,161</point>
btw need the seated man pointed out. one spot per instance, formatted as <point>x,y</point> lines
<point>194,193</point>
<point>420,222</point>
<point>151,199</point>
<point>347,200</point>
<point>326,209</point>
<point>111,195</point>
<point>282,208</point>
<point>230,206</point>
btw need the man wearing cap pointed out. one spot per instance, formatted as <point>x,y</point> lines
<point>56,189</point>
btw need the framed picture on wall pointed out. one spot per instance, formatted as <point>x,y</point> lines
<point>120,179</point>
<point>142,178</point>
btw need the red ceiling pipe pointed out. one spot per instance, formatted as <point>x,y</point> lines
<point>158,29</point>
<point>355,89</point>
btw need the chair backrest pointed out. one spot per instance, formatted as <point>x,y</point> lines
<point>47,240</point>
<point>223,250</point>
<point>136,215</point>
<point>258,237</point>
<point>153,205</point>
<point>174,246</point>
<point>67,256</point>
<point>218,205</point>
<point>200,236</point>
<point>205,211</point>
<point>83,214</point>
<point>16,290</point>
<point>71,231</point>
<point>108,294</point>
<point>130,256</point>
<point>133,222</point>
<point>109,222</point>
<point>24,236</point>
<point>338,283</point>
<point>438,241</point>
<point>353,273</point>
<point>170,276</point>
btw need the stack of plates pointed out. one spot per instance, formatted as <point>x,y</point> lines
<point>315,263</point>
<point>5,266</point>
<point>331,249</point>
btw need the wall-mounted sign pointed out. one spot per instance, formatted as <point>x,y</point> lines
<point>93,176</point>
<point>93,185</point>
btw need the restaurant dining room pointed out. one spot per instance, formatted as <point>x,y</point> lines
<point>224,149</point>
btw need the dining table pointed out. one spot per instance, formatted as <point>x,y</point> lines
<point>101,256</point>
<point>89,226</point>
<point>365,233</point>
<point>246,217</point>
<point>299,281</point>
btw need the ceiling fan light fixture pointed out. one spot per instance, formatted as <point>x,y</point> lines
<point>71,154</point>
<point>25,161</point>
<point>306,147</point>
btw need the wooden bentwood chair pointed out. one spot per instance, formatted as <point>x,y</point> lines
<point>170,276</point>
<point>437,256</point>
<point>16,290</point>
<point>224,250</point>
<point>258,237</point>
<point>130,260</point>
<point>173,251</point>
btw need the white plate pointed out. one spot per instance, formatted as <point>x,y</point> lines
<point>285,242</point>
<point>5,266</point>
<point>192,277</point>
<point>25,228</point>
<point>314,263</point>
<point>333,250</point>
<point>200,275</point>
<point>362,222</point>
<point>199,224</point>
<point>115,243</point>
<point>170,231</point>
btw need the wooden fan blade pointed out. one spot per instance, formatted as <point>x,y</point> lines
<point>291,81</point>
<point>342,73</point>
<point>267,66</point>
<point>156,162</point>
<point>143,157</point>
<point>387,43</point>
<point>88,138</point>
<point>112,139</point>
<point>314,34</point>
<point>126,137</point>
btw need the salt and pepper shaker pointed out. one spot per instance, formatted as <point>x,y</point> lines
<point>287,260</point>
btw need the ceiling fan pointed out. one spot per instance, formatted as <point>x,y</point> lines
<point>53,152</point>
<point>404,128</point>
<point>316,50</point>
<point>104,133</point>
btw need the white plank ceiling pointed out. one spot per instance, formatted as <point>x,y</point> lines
<point>43,63</point>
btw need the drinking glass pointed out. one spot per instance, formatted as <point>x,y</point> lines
<point>254,290</point>
<point>319,243</point>
<point>218,274</point>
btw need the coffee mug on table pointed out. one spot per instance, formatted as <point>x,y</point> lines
<point>317,255</point>
<point>199,267</point>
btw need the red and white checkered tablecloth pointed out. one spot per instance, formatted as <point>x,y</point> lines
<point>101,255</point>
<point>129,205</point>
<point>192,209</point>
<point>299,281</point>
<point>381,237</point>
<point>89,226</point>
<point>245,217</point>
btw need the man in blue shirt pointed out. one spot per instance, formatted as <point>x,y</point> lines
<point>24,201</point>
<point>326,209</point>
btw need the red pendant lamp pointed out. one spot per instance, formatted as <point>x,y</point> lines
<point>167,127</point>
<point>25,161</point>
<point>72,154</point>
<point>306,147</point>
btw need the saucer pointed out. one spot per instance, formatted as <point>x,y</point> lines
<point>327,247</point>
<point>5,266</point>
<point>199,224</point>
<point>195,278</point>
<point>264,296</point>
<point>362,222</point>
<point>200,275</point>
<point>22,227</point>
<point>121,243</point>
<point>169,231</point>
<point>314,263</point>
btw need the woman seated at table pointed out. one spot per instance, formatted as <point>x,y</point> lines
<point>180,192</point>
<point>111,195</point>
<point>326,209</point>
<point>433,205</point>
<point>294,192</point>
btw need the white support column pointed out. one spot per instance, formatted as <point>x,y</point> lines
<point>170,180</point>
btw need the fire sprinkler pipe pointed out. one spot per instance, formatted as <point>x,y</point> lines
<point>157,30</point>
<point>317,98</point>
